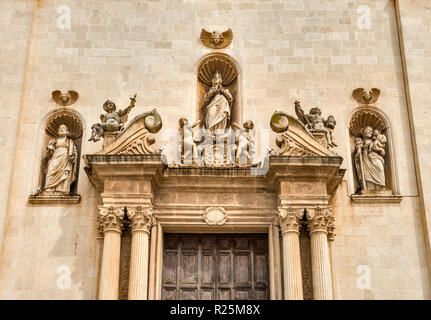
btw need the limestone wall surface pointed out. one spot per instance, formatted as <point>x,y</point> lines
<point>314,51</point>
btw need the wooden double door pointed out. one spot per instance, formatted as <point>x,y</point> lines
<point>215,267</point>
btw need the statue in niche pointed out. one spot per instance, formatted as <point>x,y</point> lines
<point>245,144</point>
<point>315,123</point>
<point>218,111</point>
<point>369,159</point>
<point>62,165</point>
<point>111,121</point>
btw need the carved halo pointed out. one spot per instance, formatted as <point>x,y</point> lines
<point>70,120</point>
<point>215,216</point>
<point>364,118</point>
<point>210,65</point>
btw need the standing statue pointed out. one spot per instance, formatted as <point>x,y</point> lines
<point>369,159</point>
<point>111,121</point>
<point>189,149</point>
<point>246,145</point>
<point>62,164</point>
<point>314,122</point>
<point>218,110</point>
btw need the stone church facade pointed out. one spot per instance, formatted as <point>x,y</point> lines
<point>195,149</point>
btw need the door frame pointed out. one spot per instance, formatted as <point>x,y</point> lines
<point>269,228</point>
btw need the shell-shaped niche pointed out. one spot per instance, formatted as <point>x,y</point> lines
<point>70,120</point>
<point>364,118</point>
<point>219,63</point>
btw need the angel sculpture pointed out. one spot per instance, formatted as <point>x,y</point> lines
<point>315,123</point>
<point>366,97</point>
<point>188,145</point>
<point>216,39</point>
<point>111,121</point>
<point>65,99</point>
<point>246,143</point>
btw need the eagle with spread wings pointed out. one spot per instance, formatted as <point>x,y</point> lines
<point>216,39</point>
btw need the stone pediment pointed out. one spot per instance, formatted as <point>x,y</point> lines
<point>294,139</point>
<point>137,137</point>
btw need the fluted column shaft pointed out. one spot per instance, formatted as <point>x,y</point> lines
<point>141,221</point>
<point>110,222</point>
<point>290,222</point>
<point>318,221</point>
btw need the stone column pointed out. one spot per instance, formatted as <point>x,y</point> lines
<point>110,222</point>
<point>331,238</point>
<point>318,221</point>
<point>290,222</point>
<point>141,220</point>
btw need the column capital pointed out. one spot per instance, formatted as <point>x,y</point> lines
<point>141,218</point>
<point>110,219</point>
<point>320,219</point>
<point>290,219</point>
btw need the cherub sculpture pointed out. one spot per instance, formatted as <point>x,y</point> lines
<point>112,120</point>
<point>245,149</point>
<point>315,123</point>
<point>366,97</point>
<point>189,149</point>
<point>379,144</point>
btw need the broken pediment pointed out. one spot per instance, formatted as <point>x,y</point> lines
<point>294,139</point>
<point>137,137</point>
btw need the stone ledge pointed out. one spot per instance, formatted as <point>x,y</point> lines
<point>376,198</point>
<point>54,200</point>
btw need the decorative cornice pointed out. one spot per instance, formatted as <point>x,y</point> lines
<point>141,219</point>
<point>110,219</point>
<point>320,219</point>
<point>290,219</point>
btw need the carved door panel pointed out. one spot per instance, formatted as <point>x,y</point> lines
<point>215,267</point>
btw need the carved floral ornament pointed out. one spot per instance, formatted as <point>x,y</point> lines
<point>141,219</point>
<point>215,216</point>
<point>320,219</point>
<point>290,219</point>
<point>110,219</point>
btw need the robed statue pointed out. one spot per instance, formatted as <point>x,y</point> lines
<point>62,163</point>
<point>369,159</point>
<point>218,111</point>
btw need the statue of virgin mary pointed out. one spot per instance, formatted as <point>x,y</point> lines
<point>218,111</point>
